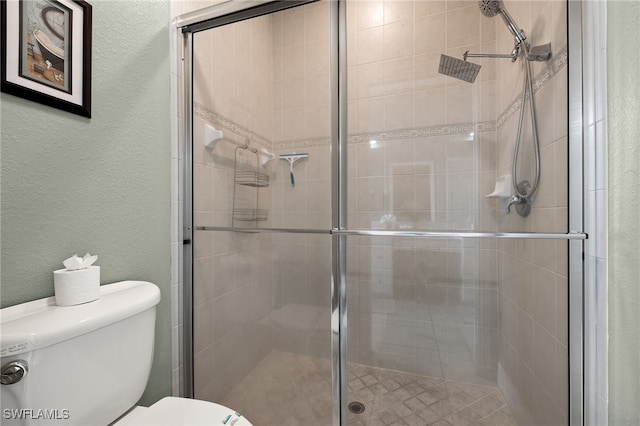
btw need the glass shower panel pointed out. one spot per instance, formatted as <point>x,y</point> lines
<point>454,330</point>
<point>426,149</point>
<point>468,329</point>
<point>262,301</point>
<point>423,332</point>
<point>262,340</point>
<point>264,83</point>
<point>302,118</point>
<point>422,149</point>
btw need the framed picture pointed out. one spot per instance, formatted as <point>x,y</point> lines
<point>46,52</point>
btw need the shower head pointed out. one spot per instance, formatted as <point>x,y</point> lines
<point>491,8</point>
<point>457,68</point>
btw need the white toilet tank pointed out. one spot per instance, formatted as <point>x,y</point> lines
<point>88,364</point>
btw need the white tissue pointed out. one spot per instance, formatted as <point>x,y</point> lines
<point>76,287</point>
<point>74,262</point>
<point>79,282</point>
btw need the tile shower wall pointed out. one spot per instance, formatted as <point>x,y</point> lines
<point>422,155</point>
<point>274,93</point>
<point>247,112</point>
<point>302,116</point>
<point>300,321</point>
<point>232,273</point>
<point>422,152</point>
<point>532,274</point>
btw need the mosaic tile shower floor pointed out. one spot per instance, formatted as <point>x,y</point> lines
<point>293,389</point>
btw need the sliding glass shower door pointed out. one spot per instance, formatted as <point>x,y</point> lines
<point>355,258</point>
<point>456,329</point>
<point>261,301</point>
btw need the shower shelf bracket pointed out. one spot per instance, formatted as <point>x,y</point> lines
<point>211,136</point>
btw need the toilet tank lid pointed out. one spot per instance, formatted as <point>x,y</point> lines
<point>40,323</point>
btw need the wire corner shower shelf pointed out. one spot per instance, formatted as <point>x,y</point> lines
<point>243,210</point>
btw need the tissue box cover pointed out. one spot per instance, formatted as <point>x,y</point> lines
<point>76,287</point>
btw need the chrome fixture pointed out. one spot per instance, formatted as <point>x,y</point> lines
<point>513,55</point>
<point>457,68</point>
<point>524,192</point>
<point>522,203</point>
<point>340,230</point>
<point>405,233</point>
<point>523,189</point>
<point>491,8</point>
<point>13,372</point>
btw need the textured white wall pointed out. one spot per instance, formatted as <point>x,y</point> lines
<point>624,209</point>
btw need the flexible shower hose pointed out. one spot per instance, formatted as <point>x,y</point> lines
<point>527,87</point>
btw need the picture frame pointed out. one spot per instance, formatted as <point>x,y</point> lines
<point>46,52</point>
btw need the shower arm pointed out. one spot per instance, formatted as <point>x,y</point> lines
<point>540,53</point>
<point>513,55</point>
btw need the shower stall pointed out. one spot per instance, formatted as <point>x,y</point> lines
<point>351,255</point>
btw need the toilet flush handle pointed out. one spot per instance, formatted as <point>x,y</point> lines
<point>13,372</point>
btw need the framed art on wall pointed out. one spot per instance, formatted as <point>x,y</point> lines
<point>46,52</point>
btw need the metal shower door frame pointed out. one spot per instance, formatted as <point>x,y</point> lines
<point>229,12</point>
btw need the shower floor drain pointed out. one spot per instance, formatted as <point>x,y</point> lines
<point>356,407</point>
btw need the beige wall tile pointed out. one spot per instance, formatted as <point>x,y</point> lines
<point>316,22</point>
<point>426,71</point>
<point>398,39</point>
<point>370,159</point>
<point>463,26</point>
<point>398,10</point>
<point>460,154</point>
<point>460,104</point>
<point>431,155</point>
<point>293,28</point>
<point>430,34</point>
<point>368,14</point>
<point>424,8</point>
<point>399,158</point>
<point>430,107</point>
<point>398,75</point>
<point>370,80</point>
<point>368,46</point>
<point>371,115</point>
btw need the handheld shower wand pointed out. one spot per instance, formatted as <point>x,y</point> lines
<point>524,191</point>
<point>491,8</point>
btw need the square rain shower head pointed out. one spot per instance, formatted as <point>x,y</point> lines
<point>457,68</point>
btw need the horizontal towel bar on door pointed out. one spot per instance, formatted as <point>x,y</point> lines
<point>461,234</point>
<point>264,230</point>
<point>415,234</point>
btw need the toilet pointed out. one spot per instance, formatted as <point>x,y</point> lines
<point>89,364</point>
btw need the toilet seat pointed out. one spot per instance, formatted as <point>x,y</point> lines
<point>172,411</point>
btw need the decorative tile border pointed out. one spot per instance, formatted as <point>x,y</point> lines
<point>396,135</point>
<point>303,143</point>
<point>424,132</point>
<point>238,133</point>
<point>558,62</point>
